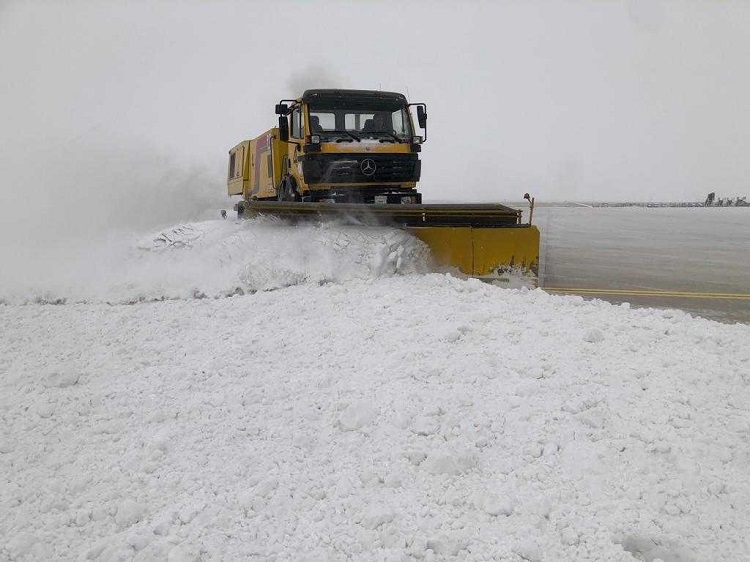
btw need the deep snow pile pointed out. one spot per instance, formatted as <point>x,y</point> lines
<point>210,259</point>
<point>392,418</point>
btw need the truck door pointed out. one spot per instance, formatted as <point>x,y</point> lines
<point>296,137</point>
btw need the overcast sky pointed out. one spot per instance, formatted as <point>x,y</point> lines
<point>634,100</point>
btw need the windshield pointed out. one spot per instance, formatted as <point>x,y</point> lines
<point>355,124</point>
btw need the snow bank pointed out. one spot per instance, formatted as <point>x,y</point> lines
<point>211,259</point>
<point>396,418</point>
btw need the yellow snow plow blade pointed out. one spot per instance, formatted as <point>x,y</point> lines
<point>481,240</point>
<point>490,253</point>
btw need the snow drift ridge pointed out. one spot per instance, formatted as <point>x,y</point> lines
<point>212,259</point>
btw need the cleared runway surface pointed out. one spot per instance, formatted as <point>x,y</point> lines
<point>695,259</point>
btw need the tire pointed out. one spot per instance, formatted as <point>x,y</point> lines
<point>288,191</point>
<point>281,192</point>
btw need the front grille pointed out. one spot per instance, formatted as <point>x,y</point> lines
<point>348,168</point>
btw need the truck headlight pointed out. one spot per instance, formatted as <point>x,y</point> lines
<point>416,139</point>
<point>315,139</point>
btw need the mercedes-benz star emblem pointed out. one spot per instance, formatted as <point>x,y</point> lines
<point>368,166</point>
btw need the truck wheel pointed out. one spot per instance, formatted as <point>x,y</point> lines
<point>281,191</point>
<point>288,191</point>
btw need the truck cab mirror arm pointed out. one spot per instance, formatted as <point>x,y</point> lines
<point>421,117</point>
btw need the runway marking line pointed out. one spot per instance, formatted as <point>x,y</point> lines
<point>649,293</point>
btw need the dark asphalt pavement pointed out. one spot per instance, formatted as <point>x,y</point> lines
<point>689,250</point>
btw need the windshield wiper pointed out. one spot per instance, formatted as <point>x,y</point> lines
<point>394,137</point>
<point>355,137</point>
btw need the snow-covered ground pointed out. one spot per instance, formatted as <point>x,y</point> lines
<point>254,391</point>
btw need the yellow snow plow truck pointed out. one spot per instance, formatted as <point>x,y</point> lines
<point>353,155</point>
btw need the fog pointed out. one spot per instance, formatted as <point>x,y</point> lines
<point>119,115</point>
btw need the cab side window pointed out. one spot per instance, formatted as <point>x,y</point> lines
<point>297,123</point>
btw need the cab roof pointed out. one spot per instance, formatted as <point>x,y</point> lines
<point>354,98</point>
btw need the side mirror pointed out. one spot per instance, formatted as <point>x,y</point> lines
<point>422,116</point>
<point>282,109</point>
<point>283,128</point>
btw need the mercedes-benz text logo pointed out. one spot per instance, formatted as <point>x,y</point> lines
<point>368,166</point>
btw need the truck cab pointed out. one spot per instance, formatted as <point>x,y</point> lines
<point>358,146</point>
